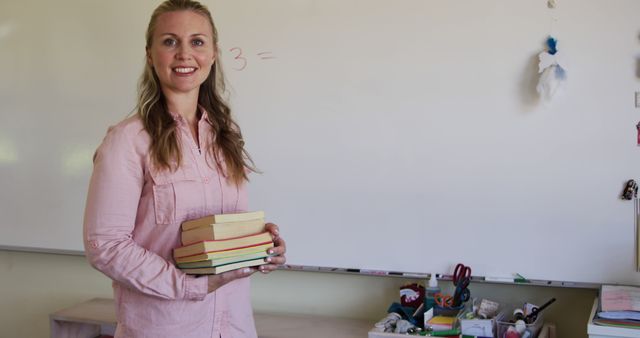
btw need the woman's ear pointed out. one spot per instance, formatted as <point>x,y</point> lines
<point>149,60</point>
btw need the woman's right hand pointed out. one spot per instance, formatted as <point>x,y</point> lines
<point>217,281</point>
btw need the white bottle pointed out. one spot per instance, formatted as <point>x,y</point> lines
<point>430,293</point>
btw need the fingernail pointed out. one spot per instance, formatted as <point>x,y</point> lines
<point>270,252</point>
<point>246,270</point>
<point>268,259</point>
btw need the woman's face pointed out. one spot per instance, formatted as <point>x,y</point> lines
<point>182,51</point>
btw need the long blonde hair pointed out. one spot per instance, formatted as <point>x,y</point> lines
<point>152,108</point>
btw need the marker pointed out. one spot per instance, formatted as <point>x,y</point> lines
<point>499,279</point>
<point>373,272</point>
<point>520,279</point>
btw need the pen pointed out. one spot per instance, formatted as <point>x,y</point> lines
<point>536,310</point>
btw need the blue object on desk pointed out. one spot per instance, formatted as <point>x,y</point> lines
<point>405,312</point>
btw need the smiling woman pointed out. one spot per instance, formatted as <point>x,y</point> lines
<point>157,169</point>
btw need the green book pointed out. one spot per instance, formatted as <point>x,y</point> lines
<point>222,261</point>
<point>214,270</point>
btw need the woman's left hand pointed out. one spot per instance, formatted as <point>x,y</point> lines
<point>277,252</point>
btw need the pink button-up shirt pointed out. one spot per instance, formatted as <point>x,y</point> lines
<point>132,223</point>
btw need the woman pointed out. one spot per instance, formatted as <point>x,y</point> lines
<point>180,157</point>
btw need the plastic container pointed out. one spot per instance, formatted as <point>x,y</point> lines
<point>479,327</point>
<point>503,323</point>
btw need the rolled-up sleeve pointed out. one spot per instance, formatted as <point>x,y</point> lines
<point>110,217</point>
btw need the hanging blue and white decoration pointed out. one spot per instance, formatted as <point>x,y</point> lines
<point>552,68</point>
<point>552,71</point>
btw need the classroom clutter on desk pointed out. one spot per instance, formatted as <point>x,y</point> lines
<point>219,243</point>
<point>428,311</point>
<point>468,319</point>
<point>619,307</point>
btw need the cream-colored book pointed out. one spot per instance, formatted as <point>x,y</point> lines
<point>222,231</point>
<point>224,268</point>
<point>222,254</point>
<point>222,218</point>
<point>223,244</point>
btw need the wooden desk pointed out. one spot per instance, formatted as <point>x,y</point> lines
<point>85,320</point>
<point>97,316</point>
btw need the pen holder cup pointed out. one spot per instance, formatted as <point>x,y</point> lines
<point>533,328</point>
<point>447,311</point>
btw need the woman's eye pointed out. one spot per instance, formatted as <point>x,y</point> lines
<point>169,42</point>
<point>197,42</point>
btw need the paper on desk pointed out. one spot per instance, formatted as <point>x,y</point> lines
<point>619,315</point>
<point>619,298</point>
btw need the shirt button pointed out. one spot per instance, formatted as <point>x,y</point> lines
<point>205,180</point>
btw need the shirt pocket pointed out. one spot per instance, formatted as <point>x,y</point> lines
<point>230,191</point>
<point>172,194</point>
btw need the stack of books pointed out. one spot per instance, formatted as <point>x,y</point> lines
<point>219,243</point>
<point>619,306</point>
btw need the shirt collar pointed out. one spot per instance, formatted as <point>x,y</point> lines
<point>205,116</point>
<point>180,120</point>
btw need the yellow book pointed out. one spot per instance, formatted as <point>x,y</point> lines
<point>217,231</point>
<point>223,254</point>
<point>441,323</point>
<point>223,244</point>
<point>224,268</point>
<point>222,218</point>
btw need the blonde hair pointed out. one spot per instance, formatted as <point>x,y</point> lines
<point>226,138</point>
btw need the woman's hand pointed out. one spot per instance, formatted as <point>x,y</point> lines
<point>277,258</point>
<point>277,253</point>
<point>216,281</point>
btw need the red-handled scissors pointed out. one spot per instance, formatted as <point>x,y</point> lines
<point>461,272</point>
<point>461,279</point>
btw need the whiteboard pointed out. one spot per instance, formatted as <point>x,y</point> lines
<point>392,135</point>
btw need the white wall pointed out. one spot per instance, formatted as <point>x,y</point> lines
<point>32,285</point>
